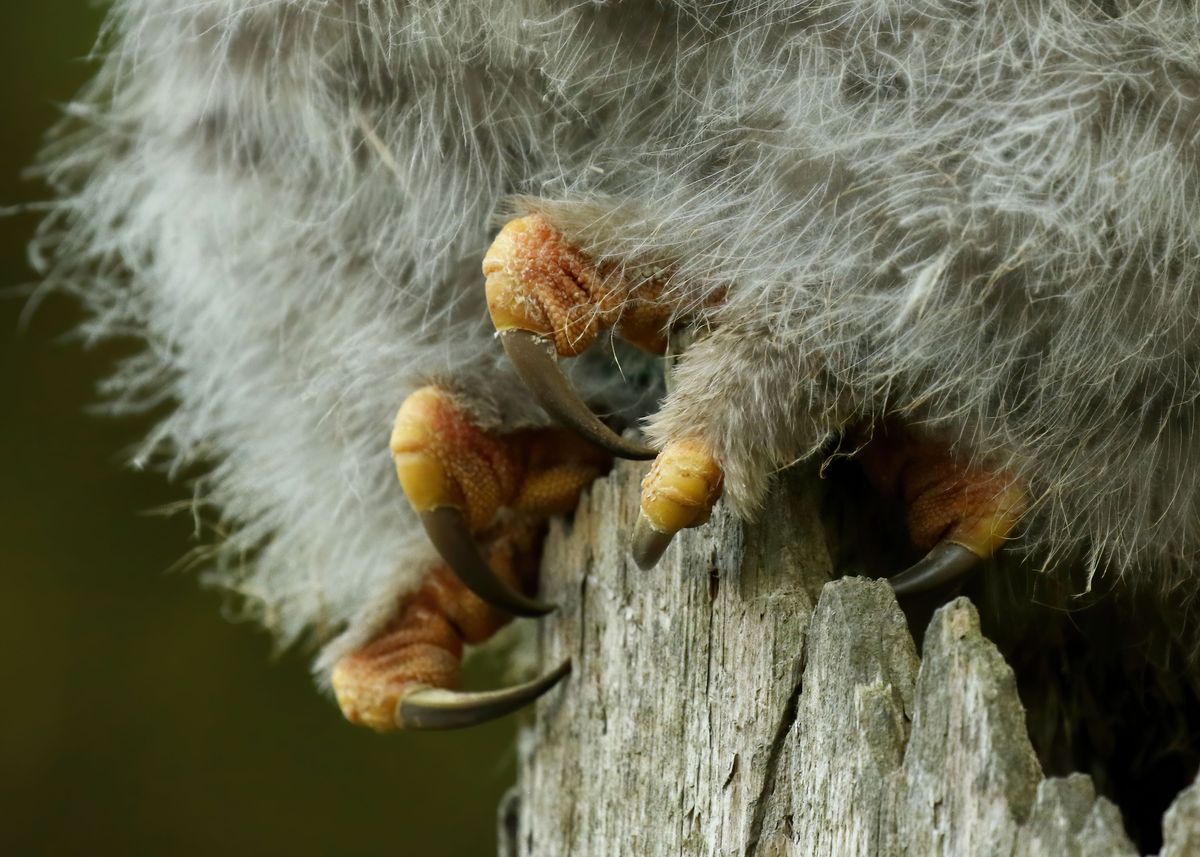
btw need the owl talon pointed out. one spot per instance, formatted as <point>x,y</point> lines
<point>458,477</point>
<point>679,492</point>
<point>548,299</point>
<point>434,708</point>
<point>649,543</point>
<point>946,563</point>
<point>536,361</point>
<point>966,513</point>
<point>448,531</point>
<point>404,678</point>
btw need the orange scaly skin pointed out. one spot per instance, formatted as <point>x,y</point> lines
<point>423,645</point>
<point>972,507</point>
<point>682,486</point>
<point>444,459</point>
<point>537,281</point>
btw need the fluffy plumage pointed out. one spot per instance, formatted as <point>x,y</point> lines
<point>979,217</point>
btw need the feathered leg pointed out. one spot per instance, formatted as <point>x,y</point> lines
<point>458,477</point>
<point>465,483</point>
<point>549,300</point>
<point>405,677</point>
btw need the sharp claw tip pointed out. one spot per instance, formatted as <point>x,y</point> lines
<point>536,361</point>
<point>648,544</point>
<point>448,531</point>
<point>431,708</point>
<point>946,563</point>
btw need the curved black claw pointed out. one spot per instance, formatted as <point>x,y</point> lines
<point>946,563</point>
<point>648,544</point>
<point>447,529</point>
<point>536,362</point>
<point>433,708</point>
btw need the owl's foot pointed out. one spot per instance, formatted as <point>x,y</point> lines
<point>462,480</point>
<point>679,492</point>
<point>466,484</point>
<point>547,299</point>
<point>405,677</point>
<point>960,514</point>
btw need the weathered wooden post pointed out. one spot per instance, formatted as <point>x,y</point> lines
<point>735,701</point>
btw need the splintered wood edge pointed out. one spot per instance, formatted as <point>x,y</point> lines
<point>734,701</point>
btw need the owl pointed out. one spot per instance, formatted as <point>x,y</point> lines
<point>955,244</point>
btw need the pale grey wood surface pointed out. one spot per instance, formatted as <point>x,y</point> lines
<point>734,701</point>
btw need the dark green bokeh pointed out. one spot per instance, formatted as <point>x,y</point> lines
<point>135,719</point>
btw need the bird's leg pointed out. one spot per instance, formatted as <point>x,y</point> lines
<point>405,678</point>
<point>960,514</point>
<point>548,300</point>
<point>465,483</point>
<point>459,477</point>
<point>679,492</point>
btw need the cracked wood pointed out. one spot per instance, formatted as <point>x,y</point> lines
<point>733,701</point>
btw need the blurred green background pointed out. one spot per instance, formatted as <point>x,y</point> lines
<point>134,718</point>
